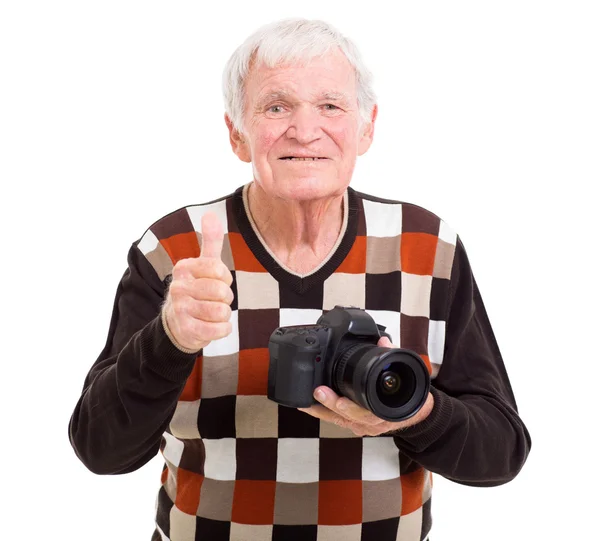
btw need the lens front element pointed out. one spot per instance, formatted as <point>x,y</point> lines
<point>395,385</point>
<point>391,382</point>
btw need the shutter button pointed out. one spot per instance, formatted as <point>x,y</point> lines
<point>310,340</point>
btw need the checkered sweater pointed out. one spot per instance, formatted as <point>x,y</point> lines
<point>238,466</point>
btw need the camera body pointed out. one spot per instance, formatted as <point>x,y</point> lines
<point>341,352</point>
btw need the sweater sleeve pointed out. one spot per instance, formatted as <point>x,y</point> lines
<point>474,435</point>
<point>131,391</point>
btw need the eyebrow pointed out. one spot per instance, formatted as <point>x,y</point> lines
<point>273,96</point>
<point>284,94</point>
<point>334,96</point>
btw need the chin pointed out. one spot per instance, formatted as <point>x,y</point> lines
<point>306,188</point>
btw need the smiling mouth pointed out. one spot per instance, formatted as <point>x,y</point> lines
<point>294,159</point>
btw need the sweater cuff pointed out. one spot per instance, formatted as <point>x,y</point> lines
<point>163,318</point>
<point>420,436</point>
<point>160,355</point>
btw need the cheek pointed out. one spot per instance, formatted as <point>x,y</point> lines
<point>264,140</point>
<point>345,136</point>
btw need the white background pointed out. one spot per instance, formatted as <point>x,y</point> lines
<point>111,116</point>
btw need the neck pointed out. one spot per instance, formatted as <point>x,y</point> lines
<point>297,230</point>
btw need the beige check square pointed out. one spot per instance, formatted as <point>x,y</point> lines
<point>444,256</point>
<point>296,503</point>
<point>383,254</point>
<point>182,525</point>
<point>381,499</point>
<point>220,375</point>
<point>257,290</point>
<point>416,295</point>
<point>184,423</point>
<point>248,532</point>
<point>160,260</point>
<point>256,417</point>
<point>351,532</point>
<point>344,289</point>
<point>409,528</point>
<point>216,499</point>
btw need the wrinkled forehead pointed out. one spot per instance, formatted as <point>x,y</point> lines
<point>328,76</point>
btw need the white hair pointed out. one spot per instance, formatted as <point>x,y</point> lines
<point>288,41</point>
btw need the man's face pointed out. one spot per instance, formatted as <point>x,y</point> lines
<point>299,111</point>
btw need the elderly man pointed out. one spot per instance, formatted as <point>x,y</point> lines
<point>184,370</point>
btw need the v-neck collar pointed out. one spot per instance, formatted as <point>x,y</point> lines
<point>298,283</point>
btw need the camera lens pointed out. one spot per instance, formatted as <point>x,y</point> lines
<point>389,383</point>
<point>395,385</point>
<point>392,383</point>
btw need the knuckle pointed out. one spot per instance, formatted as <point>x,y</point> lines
<point>224,312</point>
<point>227,277</point>
<point>203,267</point>
<point>201,289</point>
<point>176,288</point>
<point>209,268</point>
<point>223,291</point>
<point>228,296</point>
<point>181,267</point>
<point>342,423</point>
<point>359,430</point>
<point>211,289</point>
<point>210,330</point>
<point>201,329</point>
<point>212,311</point>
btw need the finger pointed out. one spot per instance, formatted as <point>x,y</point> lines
<point>182,270</point>
<point>384,342</point>
<point>209,289</point>
<point>355,413</point>
<point>212,236</point>
<point>208,330</point>
<point>360,429</point>
<point>210,311</point>
<point>321,412</point>
<point>203,267</point>
<point>345,407</point>
<point>199,267</point>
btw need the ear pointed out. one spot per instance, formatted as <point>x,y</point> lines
<point>238,144</point>
<point>368,130</point>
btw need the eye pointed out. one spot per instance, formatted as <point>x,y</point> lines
<point>330,107</point>
<point>275,109</point>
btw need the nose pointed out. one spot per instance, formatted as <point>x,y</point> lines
<point>305,125</point>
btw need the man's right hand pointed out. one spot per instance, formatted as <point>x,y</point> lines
<point>197,309</point>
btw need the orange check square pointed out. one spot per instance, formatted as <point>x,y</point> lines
<point>253,502</point>
<point>340,502</point>
<point>412,490</point>
<point>181,246</point>
<point>417,253</point>
<point>253,369</point>
<point>356,260</point>
<point>243,258</point>
<point>188,491</point>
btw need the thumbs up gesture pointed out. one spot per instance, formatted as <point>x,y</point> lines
<point>197,309</point>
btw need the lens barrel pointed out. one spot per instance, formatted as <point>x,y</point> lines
<point>391,382</point>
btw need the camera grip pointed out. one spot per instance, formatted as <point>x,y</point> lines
<point>292,383</point>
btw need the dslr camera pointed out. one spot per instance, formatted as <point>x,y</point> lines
<point>341,352</point>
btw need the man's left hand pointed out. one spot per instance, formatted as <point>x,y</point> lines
<point>345,413</point>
